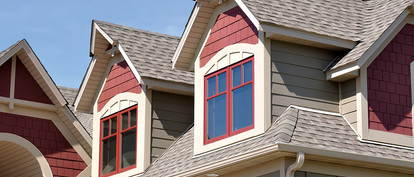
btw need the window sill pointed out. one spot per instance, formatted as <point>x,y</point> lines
<point>201,148</point>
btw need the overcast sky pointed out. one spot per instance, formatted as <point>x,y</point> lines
<point>59,31</point>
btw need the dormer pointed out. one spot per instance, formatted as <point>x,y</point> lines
<point>231,74</point>
<point>378,83</point>
<point>139,104</point>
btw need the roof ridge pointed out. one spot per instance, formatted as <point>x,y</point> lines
<point>2,53</point>
<point>136,29</point>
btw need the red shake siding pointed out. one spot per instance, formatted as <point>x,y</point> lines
<point>26,87</point>
<point>389,85</point>
<point>120,79</point>
<point>231,27</point>
<point>5,74</point>
<point>42,133</point>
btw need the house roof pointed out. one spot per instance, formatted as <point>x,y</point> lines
<point>84,118</point>
<point>296,126</point>
<point>9,48</point>
<point>357,20</point>
<point>149,52</point>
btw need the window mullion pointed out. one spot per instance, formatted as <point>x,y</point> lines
<point>228,91</point>
<point>118,142</point>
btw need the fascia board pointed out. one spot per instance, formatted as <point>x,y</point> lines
<point>249,14</point>
<point>129,62</point>
<point>335,73</point>
<point>185,34</point>
<point>233,160</point>
<point>36,62</point>
<point>84,82</point>
<point>11,52</point>
<point>344,155</point>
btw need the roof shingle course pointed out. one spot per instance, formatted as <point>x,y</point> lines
<point>355,20</point>
<point>295,126</point>
<point>149,52</point>
<point>9,48</point>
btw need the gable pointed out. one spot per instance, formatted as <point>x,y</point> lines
<point>26,87</point>
<point>231,27</point>
<point>5,74</point>
<point>120,79</point>
<point>389,85</point>
<point>43,134</point>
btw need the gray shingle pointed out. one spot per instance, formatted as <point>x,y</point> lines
<point>150,52</point>
<point>9,48</point>
<point>295,126</point>
<point>356,20</point>
<point>84,118</point>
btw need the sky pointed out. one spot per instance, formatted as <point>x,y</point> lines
<point>59,32</point>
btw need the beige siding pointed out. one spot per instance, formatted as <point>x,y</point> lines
<point>17,161</point>
<point>348,101</point>
<point>298,78</point>
<point>172,114</point>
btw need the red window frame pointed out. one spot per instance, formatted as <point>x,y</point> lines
<point>118,134</point>
<point>228,91</point>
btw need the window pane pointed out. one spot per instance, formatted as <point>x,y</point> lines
<point>128,142</point>
<point>105,129</point>
<point>133,118</point>
<point>222,78</point>
<point>108,155</point>
<point>247,72</point>
<point>124,119</point>
<point>211,86</point>
<point>236,76</point>
<point>242,112</point>
<point>113,125</point>
<point>216,116</point>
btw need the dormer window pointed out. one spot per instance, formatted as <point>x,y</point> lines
<point>229,101</point>
<point>118,141</point>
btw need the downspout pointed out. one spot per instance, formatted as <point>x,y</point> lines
<point>300,159</point>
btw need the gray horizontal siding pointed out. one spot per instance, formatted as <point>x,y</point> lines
<point>298,78</point>
<point>172,114</point>
<point>348,101</point>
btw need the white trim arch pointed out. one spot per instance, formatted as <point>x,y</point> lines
<point>229,55</point>
<point>44,165</point>
<point>119,102</point>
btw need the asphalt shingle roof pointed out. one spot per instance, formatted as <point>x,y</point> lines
<point>84,118</point>
<point>355,20</point>
<point>149,52</point>
<point>9,48</point>
<point>295,126</point>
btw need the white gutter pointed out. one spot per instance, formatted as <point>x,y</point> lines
<point>300,159</point>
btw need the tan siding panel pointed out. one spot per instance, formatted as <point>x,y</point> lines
<point>305,93</point>
<point>348,101</point>
<point>298,78</point>
<point>172,114</point>
<point>17,161</point>
<point>349,107</point>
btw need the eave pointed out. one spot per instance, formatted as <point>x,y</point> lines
<point>351,70</point>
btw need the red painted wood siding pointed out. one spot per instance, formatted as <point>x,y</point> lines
<point>389,85</point>
<point>42,133</point>
<point>26,87</point>
<point>120,79</point>
<point>231,27</point>
<point>5,74</point>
